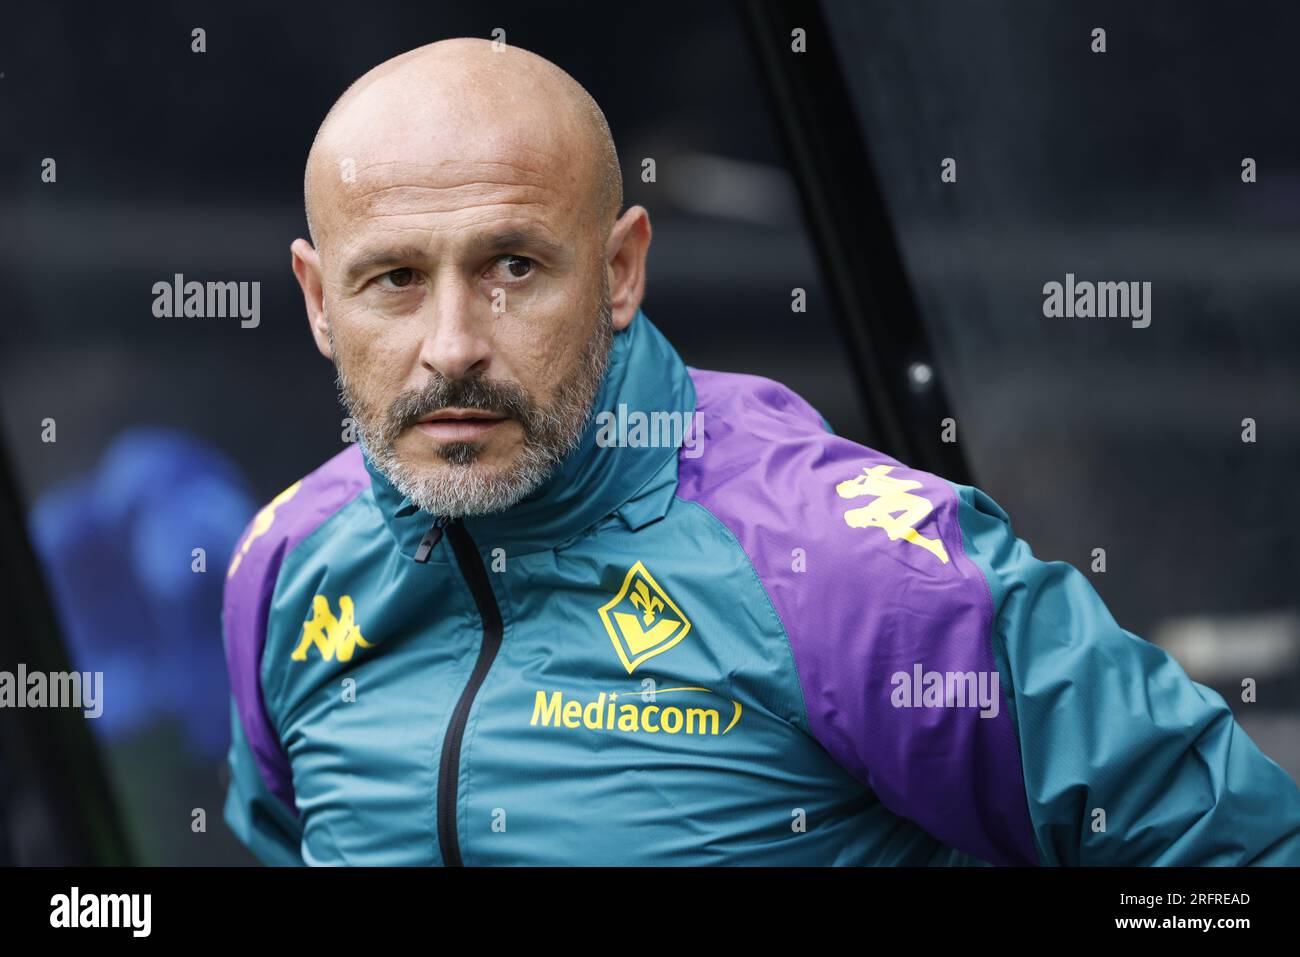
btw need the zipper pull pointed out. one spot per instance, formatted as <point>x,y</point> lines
<point>431,538</point>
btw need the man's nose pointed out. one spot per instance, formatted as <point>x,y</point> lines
<point>456,330</point>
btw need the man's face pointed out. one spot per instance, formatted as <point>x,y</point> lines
<point>469,322</point>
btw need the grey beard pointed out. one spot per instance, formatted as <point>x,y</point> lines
<point>457,487</point>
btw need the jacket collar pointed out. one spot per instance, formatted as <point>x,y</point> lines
<point>594,481</point>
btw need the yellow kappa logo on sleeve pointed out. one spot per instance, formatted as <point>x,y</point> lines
<point>641,619</point>
<point>896,509</point>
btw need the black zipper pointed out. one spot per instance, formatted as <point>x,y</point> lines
<point>431,538</point>
<point>475,574</point>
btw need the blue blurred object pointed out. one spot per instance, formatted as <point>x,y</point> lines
<point>116,549</point>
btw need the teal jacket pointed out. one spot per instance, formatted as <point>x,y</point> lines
<point>751,643</point>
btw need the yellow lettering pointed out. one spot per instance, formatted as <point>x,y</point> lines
<point>628,718</point>
<point>591,715</point>
<point>572,714</point>
<point>704,716</point>
<point>672,720</point>
<point>262,523</point>
<point>549,712</point>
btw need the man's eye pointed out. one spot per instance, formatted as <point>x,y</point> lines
<point>399,278</point>
<point>517,267</point>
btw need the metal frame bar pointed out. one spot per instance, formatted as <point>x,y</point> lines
<point>851,231</point>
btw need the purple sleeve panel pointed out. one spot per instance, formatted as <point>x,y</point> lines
<point>250,582</point>
<point>888,620</point>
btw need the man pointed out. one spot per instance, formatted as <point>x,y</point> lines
<point>514,625</point>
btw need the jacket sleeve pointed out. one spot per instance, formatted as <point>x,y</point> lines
<point>985,695</point>
<point>257,817</point>
<point>1126,760</point>
<point>260,804</point>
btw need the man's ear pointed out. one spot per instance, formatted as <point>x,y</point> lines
<point>625,254</point>
<point>306,266</point>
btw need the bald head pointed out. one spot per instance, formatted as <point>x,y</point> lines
<point>465,100</point>
<point>469,269</point>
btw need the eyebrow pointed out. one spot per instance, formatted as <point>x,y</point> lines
<point>524,238</point>
<point>390,256</point>
<point>490,244</point>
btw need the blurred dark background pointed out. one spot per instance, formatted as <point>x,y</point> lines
<point>1115,166</point>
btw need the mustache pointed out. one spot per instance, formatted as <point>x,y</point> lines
<point>475,392</point>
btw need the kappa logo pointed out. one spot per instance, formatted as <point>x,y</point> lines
<point>332,637</point>
<point>641,619</point>
<point>896,509</point>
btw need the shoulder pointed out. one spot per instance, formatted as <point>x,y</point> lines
<point>839,533</point>
<point>758,401</point>
<point>771,470</point>
<point>294,514</point>
<point>251,576</point>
